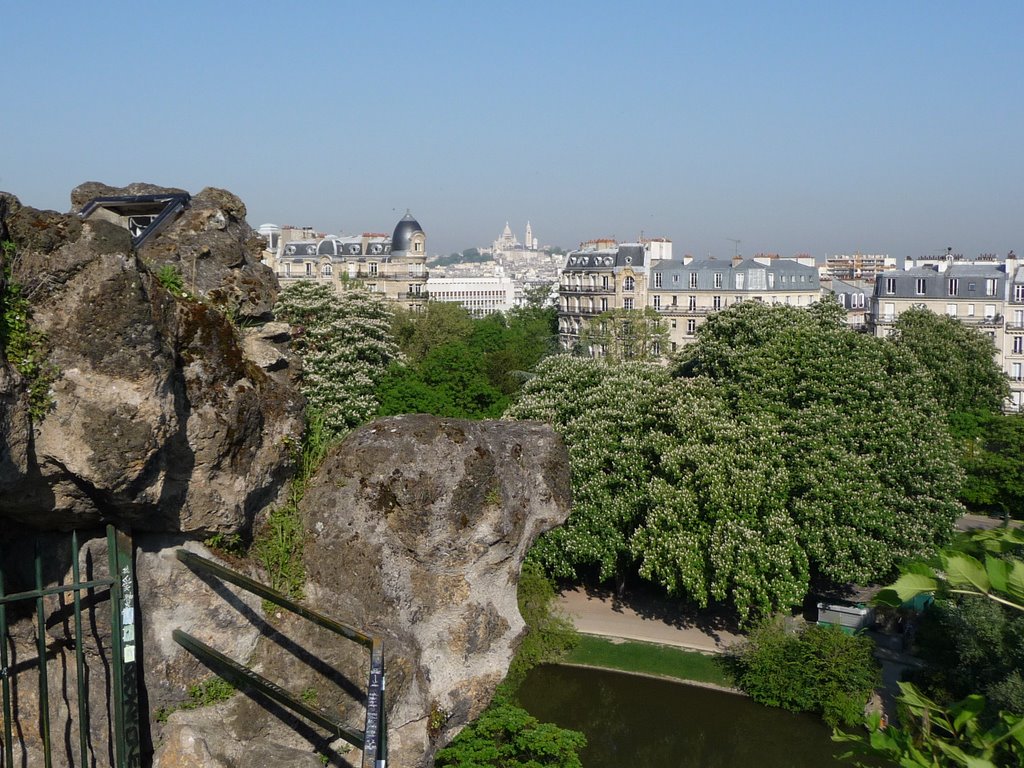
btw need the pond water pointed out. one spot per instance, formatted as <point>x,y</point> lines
<point>640,721</point>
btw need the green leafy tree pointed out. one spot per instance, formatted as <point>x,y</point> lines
<point>873,472</point>
<point>818,669</point>
<point>439,323</point>
<point>959,360</point>
<point>464,367</point>
<point>625,334</point>
<point>986,566</point>
<point>346,346</point>
<point>993,461</point>
<point>506,736</point>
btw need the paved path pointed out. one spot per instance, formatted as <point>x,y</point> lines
<point>636,618</point>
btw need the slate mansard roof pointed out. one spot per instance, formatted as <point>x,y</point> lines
<point>607,259</point>
<point>748,276</point>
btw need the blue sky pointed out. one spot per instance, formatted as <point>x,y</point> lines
<point>817,127</point>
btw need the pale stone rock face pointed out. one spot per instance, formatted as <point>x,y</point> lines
<point>416,531</point>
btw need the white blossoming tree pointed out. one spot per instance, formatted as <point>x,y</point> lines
<point>873,472</point>
<point>346,346</point>
<point>785,447</point>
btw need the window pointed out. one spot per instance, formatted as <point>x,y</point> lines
<point>990,311</point>
<point>693,279</point>
<point>691,327</point>
<point>656,347</point>
<point>657,279</point>
<point>718,279</point>
<point>1018,293</point>
<point>971,287</point>
<point>1018,345</point>
<point>326,270</point>
<point>604,282</point>
<point>858,300</point>
<point>417,247</point>
<point>921,286</point>
<point>954,285</point>
<point>627,303</point>
<point>673,323</point>
<point>951,310</point>
<point>716,302</point>
<point>771,280</point>
<point>1015,371</point>
<point>604,304</point>
<point>628,284</point>
<point>890,285</point>
<point>657,302</point>
<point>889,311</point>
<point>739,280</point>
<point>373,269</point>
<point>990,286</point>
<point>693,304</point>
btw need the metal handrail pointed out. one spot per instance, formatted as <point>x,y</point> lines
<point>373,740</point>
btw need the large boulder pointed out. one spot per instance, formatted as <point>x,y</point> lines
<point>416,531</point>
<point>156,418</point>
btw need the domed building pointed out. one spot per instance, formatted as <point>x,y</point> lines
<point>395,266</point>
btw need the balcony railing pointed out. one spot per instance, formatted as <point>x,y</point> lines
<point>585,289</point>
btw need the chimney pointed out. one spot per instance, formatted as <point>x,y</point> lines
<point>736,260</point>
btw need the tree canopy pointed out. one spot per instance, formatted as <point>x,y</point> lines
<point>465,367</point>
<point>783,447</point>
<point>625,334</point>
<point>959,361</point>
<point>346,346</point>
<point>987,568</point>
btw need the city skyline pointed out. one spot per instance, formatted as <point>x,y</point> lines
<point>798,128</point>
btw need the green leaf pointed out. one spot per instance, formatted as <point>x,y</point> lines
<point>963,570</point>
<point>1015,581</point>
<point>966,710</point>
<point>998,570</point>
<point>910,585</point>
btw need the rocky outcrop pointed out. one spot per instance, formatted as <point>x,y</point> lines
<point>417,528</point>
<point>165,415</point>
<point>157,419</point>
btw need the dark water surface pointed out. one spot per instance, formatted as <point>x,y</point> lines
<point>649,723</point>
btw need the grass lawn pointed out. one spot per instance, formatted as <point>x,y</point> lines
<point>648,658</point>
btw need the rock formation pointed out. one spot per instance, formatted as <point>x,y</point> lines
<point>161,413</point>
<point>417,528</point>
<point>157,418</point>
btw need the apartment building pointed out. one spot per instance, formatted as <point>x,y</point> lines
<point>393,266</point>
<point>685,292</point>
<point>986,293</point>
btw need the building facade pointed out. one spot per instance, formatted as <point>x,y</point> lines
<point>985,293</point>
<point>479,296</point>
<point>394,267</point>
<point>604,276</point>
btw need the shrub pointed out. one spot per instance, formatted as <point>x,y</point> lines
<point>819,669</point>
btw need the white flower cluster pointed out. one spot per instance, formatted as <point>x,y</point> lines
<point>346,345</point>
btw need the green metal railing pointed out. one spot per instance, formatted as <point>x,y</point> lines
<point>124,687</point>
<point>372,740</point>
